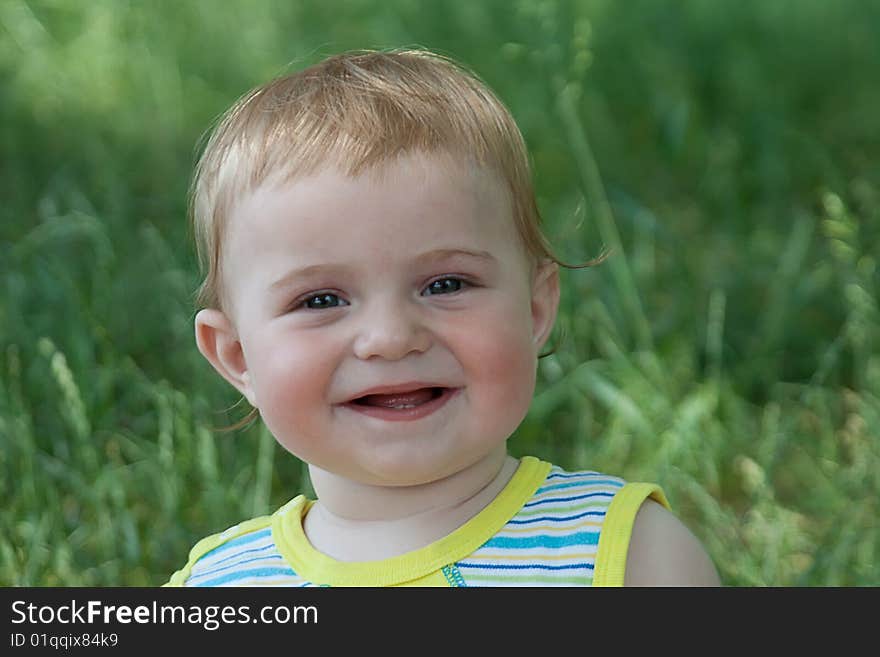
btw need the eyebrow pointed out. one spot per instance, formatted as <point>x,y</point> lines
<point>443,254</point>
<point>301,272</point>
<point>427,257</point>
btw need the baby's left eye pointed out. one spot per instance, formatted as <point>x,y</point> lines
<point>444,286</point>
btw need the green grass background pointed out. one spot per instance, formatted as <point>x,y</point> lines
<point>728,152</point>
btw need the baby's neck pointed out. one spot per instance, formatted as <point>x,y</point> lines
<point>358,522</point>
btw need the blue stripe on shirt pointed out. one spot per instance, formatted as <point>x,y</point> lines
<point>559,519</point>
<point>571,484</point>
<point>543,541</point>
<point>241,540</point>
<point>214,571</point>
<point>268,546</point>
<point>572,475</point>
<point>523,566</point>
<point>551,500</point>
<point>245,574</point>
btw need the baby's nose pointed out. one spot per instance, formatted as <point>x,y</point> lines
<point>391,331</point>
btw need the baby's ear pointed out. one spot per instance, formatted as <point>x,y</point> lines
<point>218,341</point>
<point>545,302</point>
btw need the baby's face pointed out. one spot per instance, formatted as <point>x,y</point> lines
<point>390,323</point>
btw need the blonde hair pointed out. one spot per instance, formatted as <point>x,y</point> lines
<point>355,111</point>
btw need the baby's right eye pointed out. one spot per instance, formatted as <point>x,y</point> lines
<point>322,300</point>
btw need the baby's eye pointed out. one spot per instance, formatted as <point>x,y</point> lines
<point>323,300</point>
<point>444,285</point>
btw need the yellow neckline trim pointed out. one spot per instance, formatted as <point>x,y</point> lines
<point>317,567</point>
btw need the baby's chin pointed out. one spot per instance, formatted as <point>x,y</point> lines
<point>398,474</point>
<point>403,477</point>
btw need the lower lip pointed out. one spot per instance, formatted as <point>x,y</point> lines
<point>405,414</point>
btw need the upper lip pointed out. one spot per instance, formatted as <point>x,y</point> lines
<point>395,388</point>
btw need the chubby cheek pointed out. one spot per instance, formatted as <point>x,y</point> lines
<point>290,380</point>
<point>500,367</point>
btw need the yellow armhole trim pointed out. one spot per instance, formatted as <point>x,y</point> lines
<point>208,543</point>
<point>617,530</point>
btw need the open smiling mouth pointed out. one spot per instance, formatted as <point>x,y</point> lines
<point>403,406</point>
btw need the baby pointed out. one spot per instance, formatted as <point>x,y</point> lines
<point>378,288</point>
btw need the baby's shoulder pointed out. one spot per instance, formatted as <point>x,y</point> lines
<point>221,558</point>
<point>664,552</point>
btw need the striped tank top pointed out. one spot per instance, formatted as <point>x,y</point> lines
<point>547,527</point>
